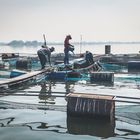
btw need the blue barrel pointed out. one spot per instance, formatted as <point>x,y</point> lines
<point>73,74</point>
<point>56,75</point>
<point>102,77</point>
<point>134,66</point>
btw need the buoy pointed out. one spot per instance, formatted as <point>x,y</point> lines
<point>73,74</point>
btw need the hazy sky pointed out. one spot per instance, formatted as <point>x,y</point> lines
<point>95,20</point>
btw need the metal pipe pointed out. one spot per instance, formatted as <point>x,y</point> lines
<point>52,92</point>
<point>63,96</point>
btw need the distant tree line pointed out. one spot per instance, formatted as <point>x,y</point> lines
<point>36,43</point>
<point>24,43</point>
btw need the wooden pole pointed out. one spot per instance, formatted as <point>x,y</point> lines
<point>80,44</point>
<point>44,39</point>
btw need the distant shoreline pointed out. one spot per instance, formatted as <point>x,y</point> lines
<point>36,43</point>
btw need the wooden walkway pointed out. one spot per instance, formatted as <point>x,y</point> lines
<point>23,78</point>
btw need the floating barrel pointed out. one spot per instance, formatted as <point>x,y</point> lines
<point>90,105</point>
<point>56,75</point>
<point>134,66</point>
<point>107,49</point>
<point>102,77</point>
<point>73,74</point>
<point>23,64</point>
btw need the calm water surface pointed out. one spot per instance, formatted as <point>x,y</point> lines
<point>38,117</point>
<point>95,49</point>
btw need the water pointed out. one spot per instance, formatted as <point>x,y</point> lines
<point>94,48</point>
<point>38,117</point>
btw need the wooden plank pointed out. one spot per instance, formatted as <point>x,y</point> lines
<point>91,96</point>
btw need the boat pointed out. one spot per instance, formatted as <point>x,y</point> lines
<point>75,69</point>
<point>28,61</point>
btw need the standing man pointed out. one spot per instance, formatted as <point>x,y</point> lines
<point>44,55</point>
<point>67,47</point>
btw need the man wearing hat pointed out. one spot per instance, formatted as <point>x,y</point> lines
<point>44,55</point>
<point>67,47</point>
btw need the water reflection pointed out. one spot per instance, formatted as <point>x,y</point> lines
<point>47,95</point>
<point>69,87</point>
<point>34,126</point>
<point>46,89</point>
<point>87,126</point>
<point>6,121</point>
<point>74,125</point>
<point>78,126</point>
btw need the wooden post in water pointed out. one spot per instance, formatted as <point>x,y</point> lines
<point>107,49</point>
<point>90,105</point>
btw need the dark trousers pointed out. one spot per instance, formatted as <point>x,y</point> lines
<point>66,58</point>
<point>42,58</point>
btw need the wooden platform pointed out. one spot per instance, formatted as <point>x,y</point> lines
<point>22,78</point>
